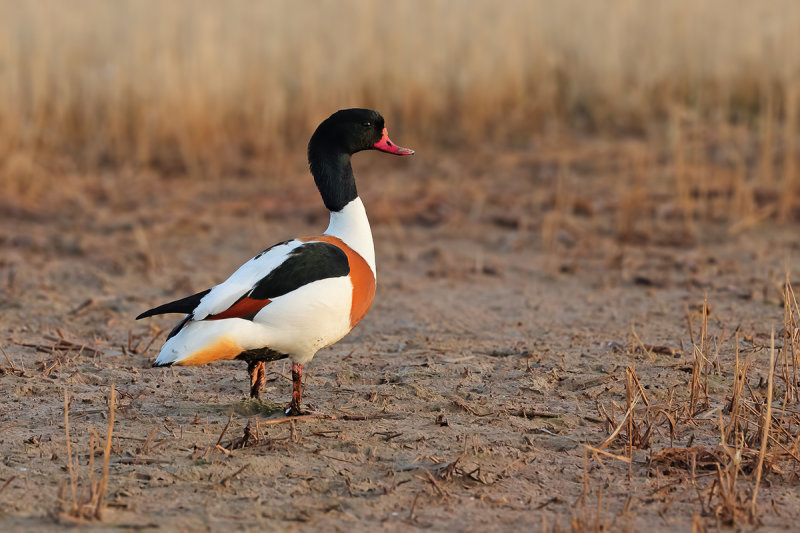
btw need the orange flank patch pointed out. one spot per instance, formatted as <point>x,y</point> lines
<point>244,308</point>
<point>224,348</point>
<point>360,275</point>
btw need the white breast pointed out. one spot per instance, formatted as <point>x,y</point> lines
<point>303,321</point>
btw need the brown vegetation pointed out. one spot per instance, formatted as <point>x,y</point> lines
<point>706,100</point>
<point>204,86</point>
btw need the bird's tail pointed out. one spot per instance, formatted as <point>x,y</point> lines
<point>199,343</point>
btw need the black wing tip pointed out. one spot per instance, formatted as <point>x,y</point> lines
<point>156,364</point>
<point>183,306</point>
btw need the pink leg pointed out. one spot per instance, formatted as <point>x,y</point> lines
<point>297,390</point>
<point>258,377</point>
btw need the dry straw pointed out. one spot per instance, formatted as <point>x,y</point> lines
<point>85,503</point>
<point>205,86</point>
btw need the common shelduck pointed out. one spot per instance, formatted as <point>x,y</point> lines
<point>299,295</point>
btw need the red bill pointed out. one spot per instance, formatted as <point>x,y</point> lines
<point>386,145</point>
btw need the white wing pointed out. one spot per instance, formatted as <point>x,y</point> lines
<point>224,295</point>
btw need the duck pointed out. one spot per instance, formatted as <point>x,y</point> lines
<point>300,295</point>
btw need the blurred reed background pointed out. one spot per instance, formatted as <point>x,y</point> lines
<point>213,88</point>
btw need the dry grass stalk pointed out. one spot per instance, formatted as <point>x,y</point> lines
<point>731,502</point>
<point>86,505</point>
<point>767,421</point>
<point>790,350</point>
<point>606,443</point>
<point>634,202</point>
<point>698,526</point>
<point>647,349</point>
<point>224,429</point>
<point>739,379</point>
<point>73,482</point>
<point>681,175</point>
<point>583,517</point>
<point>790,182</point>
<point>701,366</point>
<point>558,220</point>
<point>766,126</point>
<point>598,451</point>
<point>227,479</point>
<point>732,506</point>
<point>637,437</point>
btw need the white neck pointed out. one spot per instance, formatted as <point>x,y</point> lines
<point>351,225</point>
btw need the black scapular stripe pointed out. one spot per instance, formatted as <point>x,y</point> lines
<point>307,263</point>
<point>184,305</point>
<point>179,326</point>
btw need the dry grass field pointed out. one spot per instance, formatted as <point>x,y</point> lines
<point>585,317</point>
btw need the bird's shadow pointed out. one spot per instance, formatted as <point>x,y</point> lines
<point>253,407</point>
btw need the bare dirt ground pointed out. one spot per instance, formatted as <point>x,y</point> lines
<point>507,333</point>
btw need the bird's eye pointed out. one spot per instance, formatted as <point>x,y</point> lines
<point>367,124</point>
